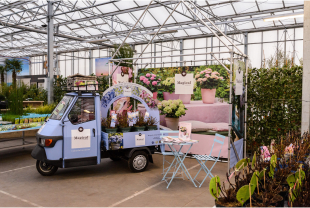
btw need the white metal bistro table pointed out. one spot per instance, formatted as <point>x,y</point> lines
<point>179,160</point>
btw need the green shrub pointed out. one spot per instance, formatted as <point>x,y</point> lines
<point>45,109</point>
<point>274,104</point>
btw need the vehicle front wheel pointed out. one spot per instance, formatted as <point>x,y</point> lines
<point>46,169</point>
<point>138,161</point>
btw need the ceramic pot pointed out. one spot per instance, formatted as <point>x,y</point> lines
<point>111,130</point>
<point>126,129</point>
<point>155,95</point>
<point>208,96</point>
<point>170,96</point>
<point>172,123</point>
<point>186,99</point>
<point>150,128</point>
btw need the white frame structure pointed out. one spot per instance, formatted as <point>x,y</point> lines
<point>214,29</point>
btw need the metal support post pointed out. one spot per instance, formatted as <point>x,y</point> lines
<point>230,109</point>
<point>181,52</point>
<point>245,106</point>
<point>285,31</point>
<point>211,47</point>
<point>246,45</point>
<point>50,52</point>
<point>72,64</point>
<point>90,62</point>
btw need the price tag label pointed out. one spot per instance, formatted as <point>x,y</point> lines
<point>127,91</point>
<point>140,139</point>
<point>122,79</point>
<point>112,124</point>
<point>184,84</point>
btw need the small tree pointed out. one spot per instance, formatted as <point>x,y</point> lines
<point>15,66</point>
<point>3,69</point>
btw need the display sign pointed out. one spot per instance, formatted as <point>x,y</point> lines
<point>80,139</point>
<point>127,91</point>
<point>239,82</point>
<point>140,139</point>
<point>184,84</point>
<point>122,79</point>
<point>185,130</point>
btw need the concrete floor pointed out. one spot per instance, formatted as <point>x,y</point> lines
<point>108,184</point>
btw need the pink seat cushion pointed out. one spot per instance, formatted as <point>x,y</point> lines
<point>219,126</point>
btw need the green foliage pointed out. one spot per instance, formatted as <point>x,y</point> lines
<point>59,82</point>
<point>34,93</point>
<point>273,163</point>
<point>242,163</point>
<point>103,82</point>
<point>254,180</point>
<point>243,194</point>
<point>261,174</point>
<point>15,99</point>
<point>125,51</point>
<point>214,189</point>
<point>254,160</point>
<point>291,179</point>
<point>9,117</point>
<point>274,104</point>
<point>45,109</point>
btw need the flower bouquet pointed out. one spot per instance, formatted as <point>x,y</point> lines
<point>151,82</point>
<point>208,82</point>
<point>173,109</point>
<point>151,102</point>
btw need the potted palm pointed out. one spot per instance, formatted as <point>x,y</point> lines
<point>208,82</point>
<point>151,123</point>
<point>15,66</point>
<point>169,89</point>
<point>123,123</point>
<point>173,109</point>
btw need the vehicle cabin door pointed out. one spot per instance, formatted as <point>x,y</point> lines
<point>80,139</point>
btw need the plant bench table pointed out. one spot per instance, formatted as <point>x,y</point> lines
<point>34,104</point>
<point>24,143</point>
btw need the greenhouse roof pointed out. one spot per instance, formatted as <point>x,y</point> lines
<point>90,24</point>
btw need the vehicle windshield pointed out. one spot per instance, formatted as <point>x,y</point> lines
<point>61,107</point>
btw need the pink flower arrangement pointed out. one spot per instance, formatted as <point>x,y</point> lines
<point>150,81</point>
<point>148,99</point>
<point>208,79</point>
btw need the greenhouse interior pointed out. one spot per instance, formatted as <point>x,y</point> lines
<point>191,103</point>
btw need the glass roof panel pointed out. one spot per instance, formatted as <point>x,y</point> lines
<point>161,14</point>
<point>245,6</point>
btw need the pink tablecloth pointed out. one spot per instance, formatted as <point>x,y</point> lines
<point>203,147</point>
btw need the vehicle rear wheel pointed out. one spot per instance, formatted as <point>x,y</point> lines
<point>46,169</point>
<point>138,161</point>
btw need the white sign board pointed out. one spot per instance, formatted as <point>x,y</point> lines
<point>122,79</point>
<point>239,82</point>
<point>127,91</point>
<point>80,139</point>
<point>184,84</point>
<point>140,139</point>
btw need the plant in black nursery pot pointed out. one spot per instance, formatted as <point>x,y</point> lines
<point>123,123</point>
<point>151,123</point>
<point>140,124</point>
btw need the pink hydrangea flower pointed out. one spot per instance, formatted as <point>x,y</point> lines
<point>142,78</point>
<point>152,78</point>
<point>221,78</point>
<point>159,79</point>
<point>148,82</point>
<point>153,75</point>
<point>145,81</point>
<point>148,74</point>
<point>154,83</point>
<point>207,75</point>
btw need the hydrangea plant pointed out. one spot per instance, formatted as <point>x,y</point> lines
<point>169,84</point>
<point>172,108</point>
<point>207,79</point>
<point>150,81</point>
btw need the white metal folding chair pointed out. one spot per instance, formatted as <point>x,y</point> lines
<point>202,159</point>
<point>164,153</point>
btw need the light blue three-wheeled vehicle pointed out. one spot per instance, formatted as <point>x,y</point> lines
<point>72,135</point>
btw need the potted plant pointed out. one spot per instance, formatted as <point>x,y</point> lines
<point>109,129</point>
<point>173,109</point>
<point>123,122</point>
<point>208,82</point>
<point>140,124</point>
<point>151,123</point>
<point>151,82</point>
<point>104,124</point>
<point>169,89</point>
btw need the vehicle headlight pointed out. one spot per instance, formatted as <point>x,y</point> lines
<point>46,142</point>
<point>42,142</point>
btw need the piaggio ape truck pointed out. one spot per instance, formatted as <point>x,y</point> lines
<point>72,135</point>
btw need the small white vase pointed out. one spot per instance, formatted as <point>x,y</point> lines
<point>172,123</point>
